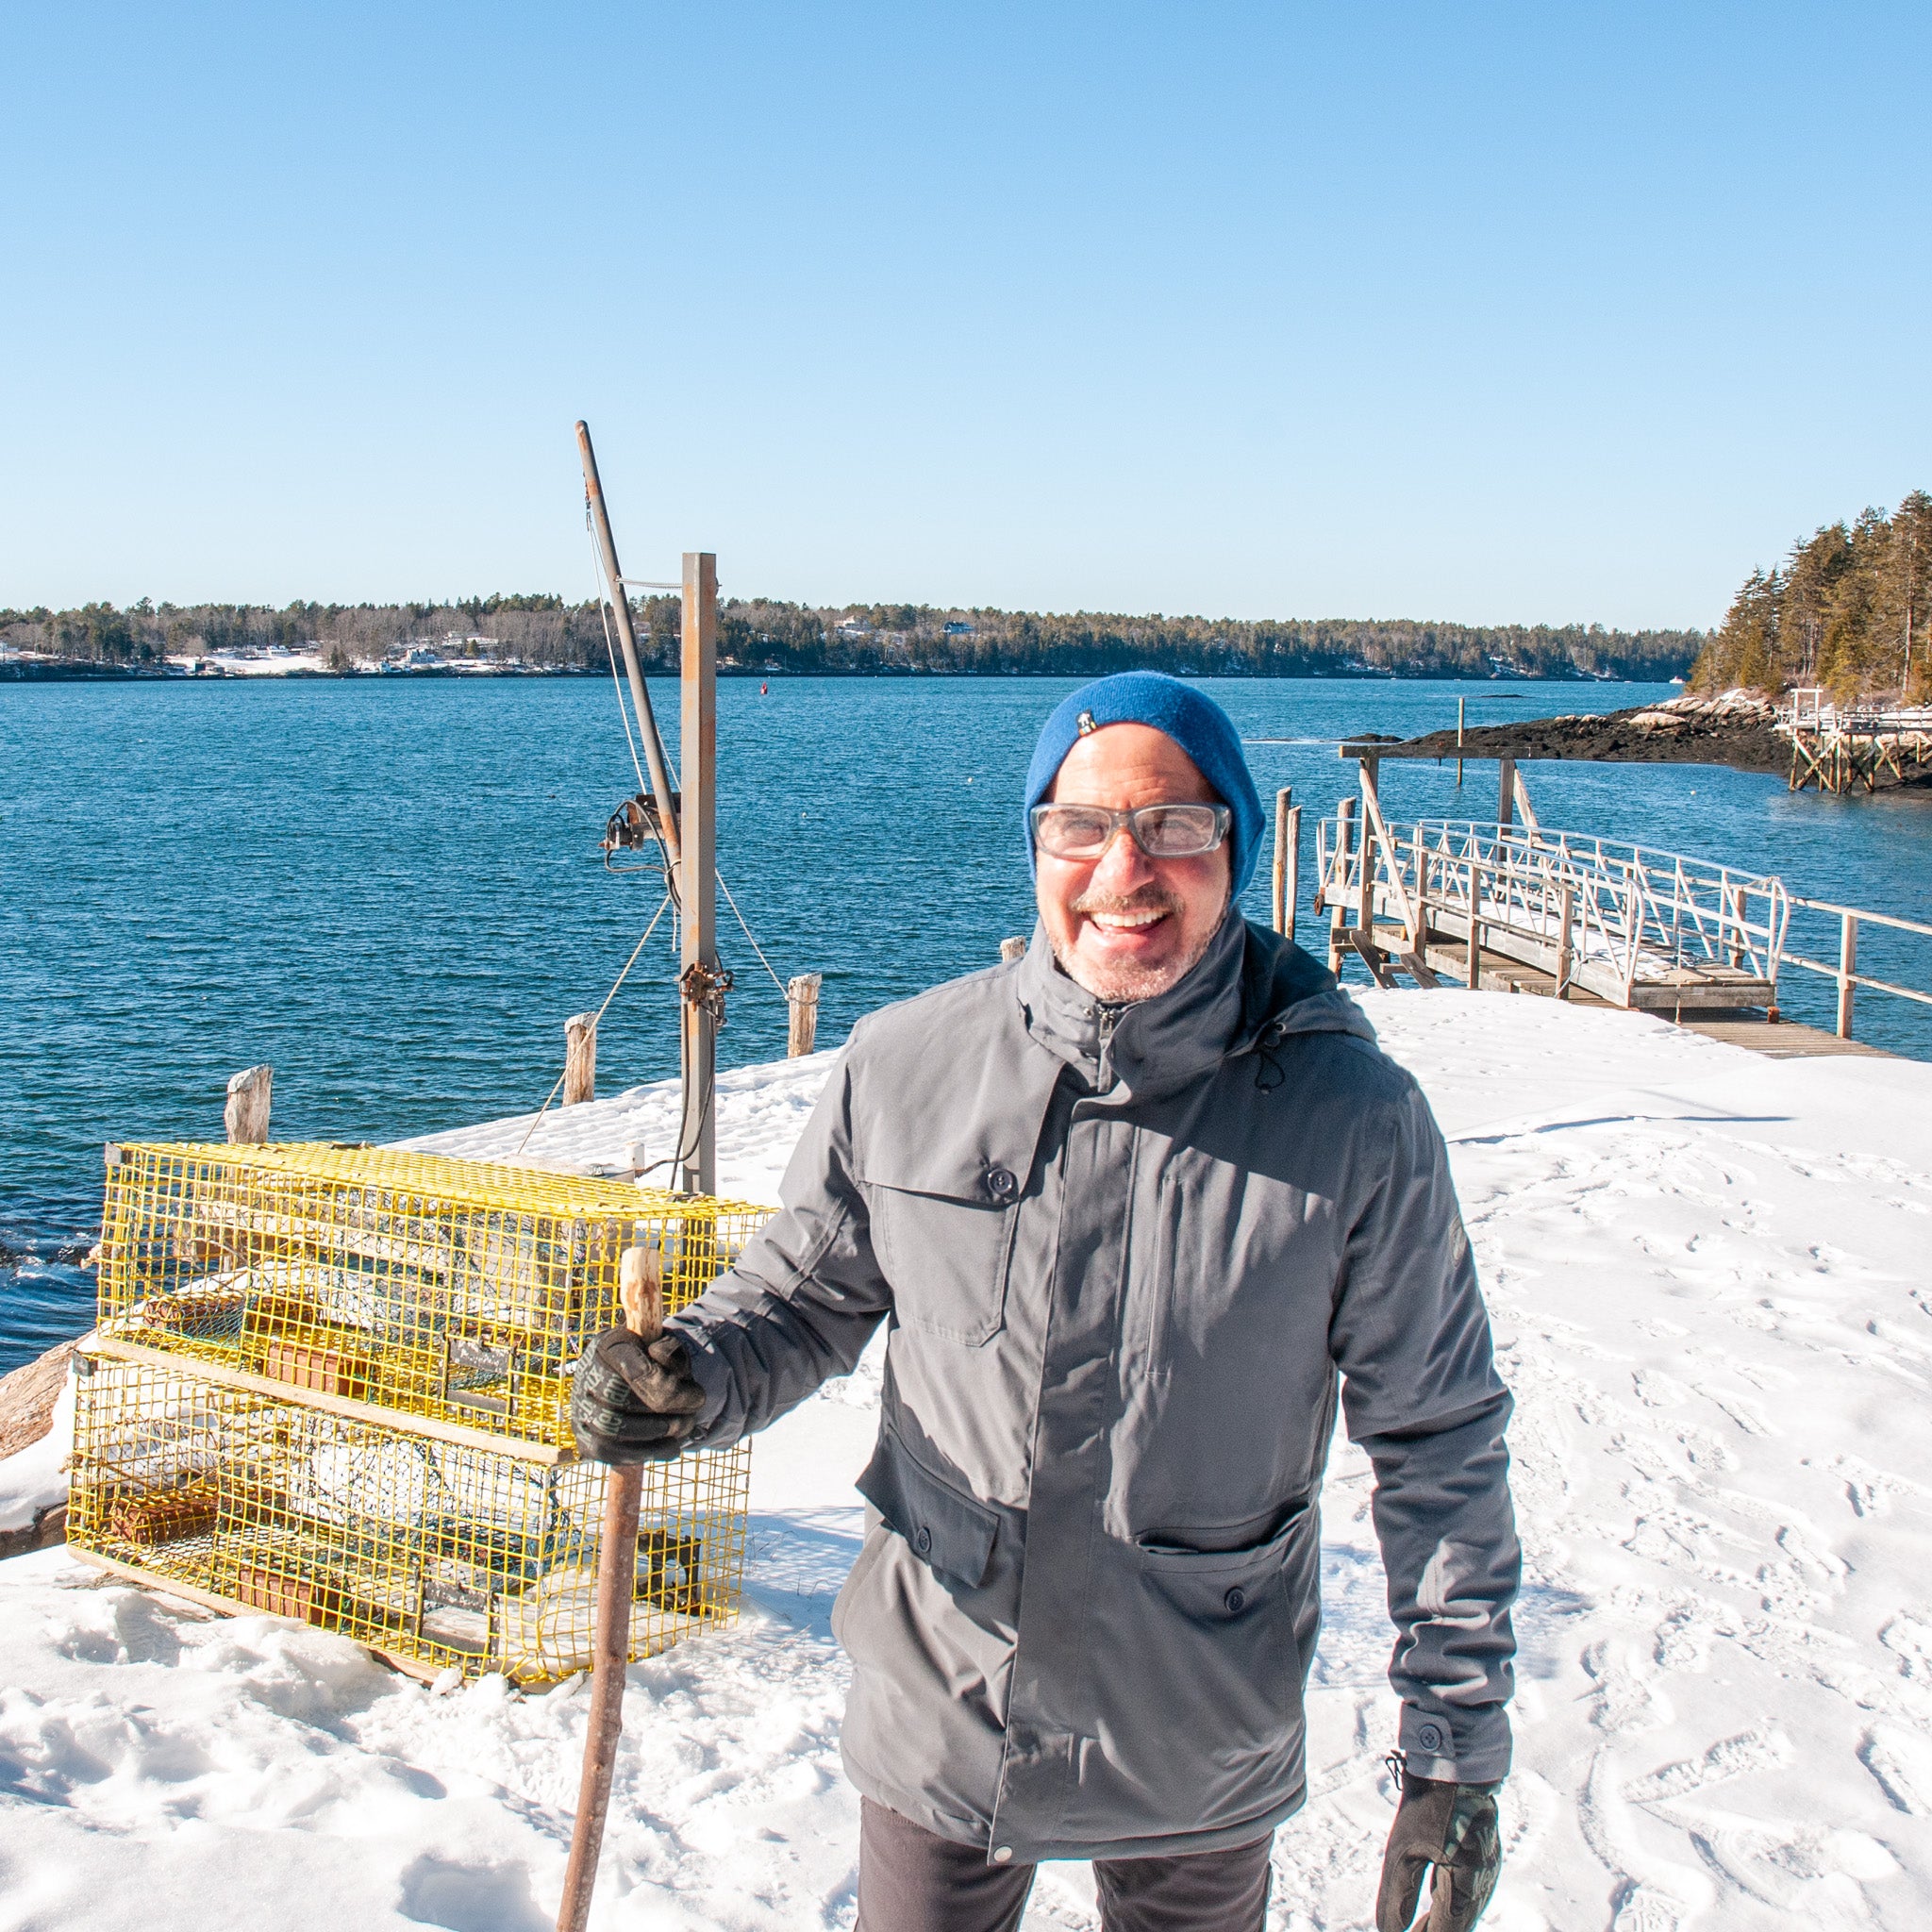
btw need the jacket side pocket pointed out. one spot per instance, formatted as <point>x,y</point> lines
<point>950,1532</point>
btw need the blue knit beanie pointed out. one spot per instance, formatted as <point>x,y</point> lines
<point>1189,717</point>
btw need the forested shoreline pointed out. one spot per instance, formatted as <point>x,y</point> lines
<point>542,632</point>
<point>1846,609</point>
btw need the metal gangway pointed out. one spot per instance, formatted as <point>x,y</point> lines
<point>1512,906</point>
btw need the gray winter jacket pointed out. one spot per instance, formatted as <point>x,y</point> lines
<point>1125,1256</point>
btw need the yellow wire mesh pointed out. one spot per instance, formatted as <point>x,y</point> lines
<point>455,1290</point>
<point>437,1553</point>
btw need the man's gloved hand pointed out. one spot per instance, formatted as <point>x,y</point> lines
<point>1452,1827</point>
<point>633,1401</point>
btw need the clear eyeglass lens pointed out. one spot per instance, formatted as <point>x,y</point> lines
<point>1177,831</point>
<point>1162,831</point>
<point>1070,832</point>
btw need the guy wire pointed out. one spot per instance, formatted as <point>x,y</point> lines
<point>601,1011</point>
<point>752,942</point>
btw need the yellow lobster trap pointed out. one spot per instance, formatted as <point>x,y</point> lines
<point>452,1291</point>
<point>435,1553</point>
<point>333,1383</point>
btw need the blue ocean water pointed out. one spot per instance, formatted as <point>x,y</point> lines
<point>392,893</point>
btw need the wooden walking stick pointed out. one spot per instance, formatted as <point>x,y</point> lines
<point>641,1291</point>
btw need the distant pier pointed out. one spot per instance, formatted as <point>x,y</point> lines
<point>1856,748</point>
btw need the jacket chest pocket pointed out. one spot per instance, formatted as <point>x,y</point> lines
<point>947,1254</point>
<point>1235,1294</point>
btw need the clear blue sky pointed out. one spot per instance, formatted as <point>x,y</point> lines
<point>1541,313</point>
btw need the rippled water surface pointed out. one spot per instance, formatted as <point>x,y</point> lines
<point>391,890</point>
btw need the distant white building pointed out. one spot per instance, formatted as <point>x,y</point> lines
<point>959,629</point>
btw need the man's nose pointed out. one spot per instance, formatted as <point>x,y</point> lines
<point>1123,865</point>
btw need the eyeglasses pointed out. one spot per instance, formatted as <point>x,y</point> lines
<point>1161,831</point>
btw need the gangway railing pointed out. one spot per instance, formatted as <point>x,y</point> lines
<point>1633,926</point>
<point>1846,972</point>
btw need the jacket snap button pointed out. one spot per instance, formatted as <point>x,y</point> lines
<point>1235,1600</point>
<point>1001,1854</point>
<point>923,1541</point>
<point>999,1183</point>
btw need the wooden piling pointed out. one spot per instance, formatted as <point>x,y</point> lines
<point>1370,768</point>
<point>245,1116</point>
<point>1014,948</point>
<point>1292,888</point>
<point>1475,926</point>
<point>1338,897</point>
<point>1566,913</point>
<point>802,996</point>
<point>1847,965</point>
<point>579,1059</point>
<point>1283,800</point>
<point>1505,791</point>
<point>1520,791</point>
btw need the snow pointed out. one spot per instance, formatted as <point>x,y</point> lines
<point>1707,1274</point>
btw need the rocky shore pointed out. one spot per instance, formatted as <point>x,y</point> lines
<point>1735,729</point>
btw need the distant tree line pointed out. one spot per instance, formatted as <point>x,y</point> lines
<point>760,634</point>
<point>1846,609</point>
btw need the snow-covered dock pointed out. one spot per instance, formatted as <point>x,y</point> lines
<point>1710,1277</point>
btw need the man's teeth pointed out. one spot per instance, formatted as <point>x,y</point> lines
<point>1127,922</point>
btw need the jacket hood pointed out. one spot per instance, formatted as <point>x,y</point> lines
<point>1248,991</point>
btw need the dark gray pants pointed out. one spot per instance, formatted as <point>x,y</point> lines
<point>910,1880</point>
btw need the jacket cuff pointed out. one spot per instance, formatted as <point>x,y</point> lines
<point>709,1370</point>
<point>1472,1747</point>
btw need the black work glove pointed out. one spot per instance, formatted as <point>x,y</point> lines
<point>633,1401</point>
<point>1452,1827</point>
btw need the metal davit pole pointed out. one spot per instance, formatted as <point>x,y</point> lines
<point>626,636</point>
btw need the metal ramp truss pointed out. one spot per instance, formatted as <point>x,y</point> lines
<point>1457,899</point>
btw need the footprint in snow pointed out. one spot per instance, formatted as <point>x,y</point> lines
<point>1647,1911</point>
<point>1757,1750</point>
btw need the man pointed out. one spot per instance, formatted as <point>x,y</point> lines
<point>1132,1209</point>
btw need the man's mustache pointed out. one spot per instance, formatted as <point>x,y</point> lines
<point>1148,898</point>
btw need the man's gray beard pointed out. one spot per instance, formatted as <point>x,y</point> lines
<point>1132,984</point>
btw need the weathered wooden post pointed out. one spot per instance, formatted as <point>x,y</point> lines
<point>802,996</point>
<point>1505,794</point>
<point>1292,888</point>
<point>1338,887</point>
<point>1372,813</point>
<point>1519,793</point>
<point>1282,799</point>
<point>246,1113</point>
<point>1847,965</point>
<point>1476,922</point>
<point>1566,912</point>
<point>579,1059</point>
<point>1014,948</point>
<point>1421,897</point>
<point>1461,702</point>
<point>701,982</point>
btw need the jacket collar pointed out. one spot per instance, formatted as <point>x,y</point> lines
<point>1250,989</point>
<point>1144,1046</point>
